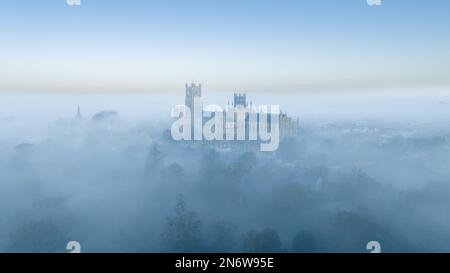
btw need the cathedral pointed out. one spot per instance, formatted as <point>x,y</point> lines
<point>288,127</point>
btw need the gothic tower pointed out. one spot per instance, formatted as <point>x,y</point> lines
<point>192,92</point>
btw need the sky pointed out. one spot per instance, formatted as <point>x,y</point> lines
<point>248,45</point>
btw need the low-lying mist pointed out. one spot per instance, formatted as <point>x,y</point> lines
<point>115,181</point>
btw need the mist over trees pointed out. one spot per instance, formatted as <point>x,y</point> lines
<point>116,185</point>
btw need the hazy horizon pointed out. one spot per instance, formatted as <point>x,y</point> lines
<point>90,152</point>
<point>288,46</point>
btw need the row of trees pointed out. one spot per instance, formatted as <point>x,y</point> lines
<point>182,233</point>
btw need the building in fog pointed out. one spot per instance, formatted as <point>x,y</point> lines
<point>240,100</point>
<point>288,126</point>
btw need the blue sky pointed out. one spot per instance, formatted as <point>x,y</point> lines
<point>252,45</point>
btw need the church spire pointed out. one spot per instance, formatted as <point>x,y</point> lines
<point>79,117</point>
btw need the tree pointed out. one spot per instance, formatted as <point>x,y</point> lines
<point>155,157</point>
<point>264,241</point>
<point>182,232</point>
<point>223,236</point>
<point>242,166</point>
<point>211,164</point>
<point>303,242</point>
<point>38,237</point>
<point>175,171</point>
